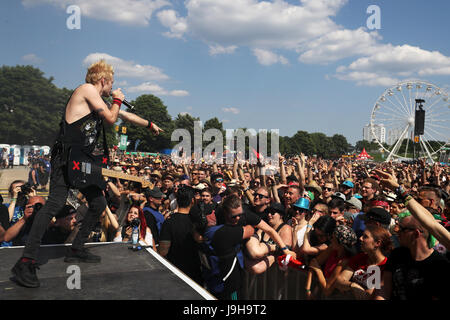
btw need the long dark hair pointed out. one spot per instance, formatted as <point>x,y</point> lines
<point>326,224</point>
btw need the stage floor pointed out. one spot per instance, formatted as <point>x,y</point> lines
<point>123,274</point>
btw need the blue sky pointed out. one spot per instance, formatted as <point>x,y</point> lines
<point>308,65</point>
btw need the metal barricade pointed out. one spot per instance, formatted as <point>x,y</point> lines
<point>275,284</point>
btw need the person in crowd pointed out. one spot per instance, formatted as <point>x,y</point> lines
<point>106,227</point>
<point>364,271</point>
<point>318,233</point>
<point>153,217</point>
<point>337,208</point>
<point>328,265</point>
<point>327,191</point>
<point>19,230</point>
<point>125,233</point>
<point>264,249</point>
<point>59,231</point>
<point>176,242</point>
<point>369,190</point>
<point>415,271</point>
<point>346,188</point>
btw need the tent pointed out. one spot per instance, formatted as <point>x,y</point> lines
<point>364,155</point>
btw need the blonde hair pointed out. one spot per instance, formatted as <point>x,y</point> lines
<point>99,70</point>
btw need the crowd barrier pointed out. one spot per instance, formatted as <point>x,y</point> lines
<point>275,284</point>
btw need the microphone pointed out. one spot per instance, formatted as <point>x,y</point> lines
<point>125,102</point>
<point>129,105</point>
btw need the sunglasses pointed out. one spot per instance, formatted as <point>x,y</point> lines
<point>329,189</point>
<point>259,195</point>
<point>219,180</point>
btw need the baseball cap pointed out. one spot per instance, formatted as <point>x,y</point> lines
<point>154,193</point>
<point>348,183</point>
<point>67,210</point>
<point>355,202</point>
<point>339,195</point>
<point>200,186</point>
<point>379,215</point>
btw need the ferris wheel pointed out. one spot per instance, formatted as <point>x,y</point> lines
<point>412,119</point>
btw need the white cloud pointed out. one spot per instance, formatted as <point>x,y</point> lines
<point>157,90</point>
<point>218,49</point>
<point>340,44</point>
<point>127,69</point>
<point>268,58</point>
<point>179,93</point>
<point>130,12</point>
<point>260,24</point>
<point>231,109</point>
<point>32,58</point>
<point>171,20</point>
<point>390,63</point>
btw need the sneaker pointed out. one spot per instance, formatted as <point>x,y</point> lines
<point>83,255</point>
<point>25,273</point>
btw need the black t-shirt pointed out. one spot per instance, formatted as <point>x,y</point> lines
<point>183,252</point>
<point>263,215</point>
<point>54,235</point>
<point>418,280</point>
<point>249,218</point>
<point>224,243</point>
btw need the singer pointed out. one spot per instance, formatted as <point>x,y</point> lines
<point>80,127</point>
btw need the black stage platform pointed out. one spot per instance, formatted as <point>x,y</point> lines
<point>123,274</point>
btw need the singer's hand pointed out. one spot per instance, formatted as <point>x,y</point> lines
<point>118,94</point>
<point>155,129</point>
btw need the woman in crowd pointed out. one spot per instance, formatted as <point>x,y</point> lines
<point>124,234</point>
<point>261,249</point>
<point>365,269</point>
<point>318,234</point>
<point>328,265</point>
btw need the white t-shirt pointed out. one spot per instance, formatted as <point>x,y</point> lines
<point>301,236</point>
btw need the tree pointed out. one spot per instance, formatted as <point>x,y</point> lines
<point>151,108</point>
<point>340,144</point>
<point>31,106</point>
<point>323,145</point>
<point>364,144</point>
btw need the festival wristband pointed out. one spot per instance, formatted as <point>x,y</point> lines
<point>284,248</point>
<point>117,101</point>
<point>150,125</point>
<point>407,199</point>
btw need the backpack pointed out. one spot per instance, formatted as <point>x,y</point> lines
<point>210,261</point>
<point>158,217</point>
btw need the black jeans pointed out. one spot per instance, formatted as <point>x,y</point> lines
<point>59,189</point>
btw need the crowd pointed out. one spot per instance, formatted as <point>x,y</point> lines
<point>359,229</point>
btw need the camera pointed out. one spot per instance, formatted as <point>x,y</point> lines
<point>37,206</point>
<point>135,223</point>
<point>25,188</point>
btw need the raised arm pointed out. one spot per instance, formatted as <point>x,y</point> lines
<point>135,119</point>
<point>424,217</point>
